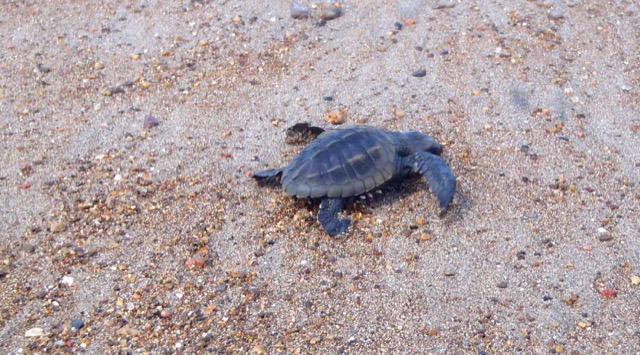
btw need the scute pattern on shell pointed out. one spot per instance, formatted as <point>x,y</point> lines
<point>342,163</point>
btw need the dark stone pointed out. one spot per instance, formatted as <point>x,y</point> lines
<point>150,122</point>
<point>77,323</point>
<point>419,73</point>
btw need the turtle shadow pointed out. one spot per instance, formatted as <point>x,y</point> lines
<point>392,193</point>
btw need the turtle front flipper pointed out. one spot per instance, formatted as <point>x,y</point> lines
<point>439,176</point>
<point>328,216</point>
<point>270,177</point>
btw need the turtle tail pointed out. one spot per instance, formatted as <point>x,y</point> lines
<point>268,177</point>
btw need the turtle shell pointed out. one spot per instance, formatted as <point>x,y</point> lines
<point>342,163</point>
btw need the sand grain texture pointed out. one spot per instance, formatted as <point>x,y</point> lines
<point>154,237</point>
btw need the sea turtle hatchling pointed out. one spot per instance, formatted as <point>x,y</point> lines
<point>348,162</point>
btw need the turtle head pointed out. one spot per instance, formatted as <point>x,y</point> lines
<point>414,141</point>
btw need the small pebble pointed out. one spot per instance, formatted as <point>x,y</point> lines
<point>51,181</point>
<point>222,288</point>
<point>150,122</point>
<point>604,235</point>
<point>259,349</point>
<point>433,332</point>
<point>299,12</point>
<point>502,284</point>
<point>34,333</point>
<point>635,280</point>
<point>113,91</point>
<point>449,272</point>
<point>196,262</point>
<point>254,290</point>
<point>43,69</point>
<point>571,299</point>
<point>608,292</point>
<point>583,324</point>
<point>128,331</point>
<point>28,248</point>
<point>77,323</point>
<point>332,13</point>
<point>556,14</point>
<point>419,73</point>
<point>445,4</point>
<point>26,169</point>
<point>57,226</point>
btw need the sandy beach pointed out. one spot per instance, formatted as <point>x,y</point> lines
<point>129,221</point>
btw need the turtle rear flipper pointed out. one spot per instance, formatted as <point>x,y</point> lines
<point>328,216</point>
<point>268,177</point>
<point>439,176</point>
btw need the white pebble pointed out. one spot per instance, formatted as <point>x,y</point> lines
<point>34,332</point>
<point>67,280</point>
